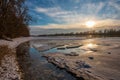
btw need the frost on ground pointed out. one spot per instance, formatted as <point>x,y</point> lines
<point>15,42</point>
<point>9,69</point>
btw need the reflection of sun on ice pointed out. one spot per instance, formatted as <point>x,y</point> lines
<point>91,45</point>
<point>90,24</point>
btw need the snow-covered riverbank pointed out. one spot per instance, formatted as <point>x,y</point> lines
<point>9,69</point>
<point>15,42</point>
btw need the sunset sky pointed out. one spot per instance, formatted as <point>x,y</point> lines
<point>57,16</point>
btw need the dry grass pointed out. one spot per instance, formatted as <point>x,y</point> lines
<point>3,51</point>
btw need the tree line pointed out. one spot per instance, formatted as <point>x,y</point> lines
<point>92,33</point>
<point>14,18</point>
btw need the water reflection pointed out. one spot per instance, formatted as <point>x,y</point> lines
<point>91,45</point>
<point>35,67</point>
<point>86,45</point>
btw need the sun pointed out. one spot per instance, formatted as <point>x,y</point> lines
<point>90,24</point>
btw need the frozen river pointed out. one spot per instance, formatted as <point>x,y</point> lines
<point>105,52</point>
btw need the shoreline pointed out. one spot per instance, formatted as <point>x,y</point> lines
<point>98,58</point>
<point>9,68</point>
<point>15,42</point>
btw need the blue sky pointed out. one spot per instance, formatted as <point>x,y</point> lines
<point>72,14</point>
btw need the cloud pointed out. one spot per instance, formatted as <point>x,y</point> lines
<point>52,12</point>
<point>102,12</point>
<point>92,8</point>
<point>86,12</point>
<point>99,24</point>
<point>43,10</point>
<point>65,16</point>
<point>115,5</point>
<point>55,12</point>
<point>76,1</point>
<point>72,14</point>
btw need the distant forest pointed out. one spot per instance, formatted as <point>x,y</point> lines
<point>93,33</point>
<point>14,19</point>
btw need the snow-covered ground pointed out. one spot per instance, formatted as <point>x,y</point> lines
<point>15,42</point>
<point>9,69</point>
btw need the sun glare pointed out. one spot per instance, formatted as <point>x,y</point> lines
<point>91,45</point>
<point>90,24</point>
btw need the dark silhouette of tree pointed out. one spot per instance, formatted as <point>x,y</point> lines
<point>93,33</point>
<point>14,18</point>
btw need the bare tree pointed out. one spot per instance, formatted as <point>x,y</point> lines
<point>14,18</point>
